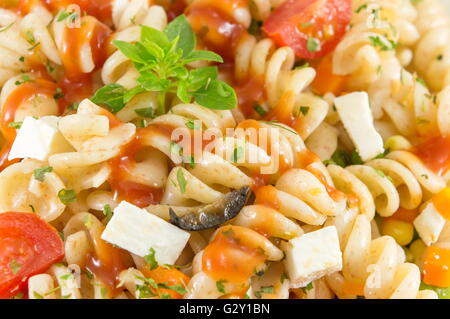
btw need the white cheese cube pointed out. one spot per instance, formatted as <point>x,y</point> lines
<point>312,256</point>
<point>354,112</point>
<point>429,224</point>
<point>136,230</point>
<point>38,139</point>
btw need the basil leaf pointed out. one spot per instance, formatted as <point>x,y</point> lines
<point>149,34</point>
<point>132,93</point>
<point>147,112</point>
<point>199,78</point>
<point>150,82</point>
<point>111,95</point>
<point>183,93</point>
<point>135,53</point>
<point>181,28</point>
<point>216,95</point>
<point>204,56</point>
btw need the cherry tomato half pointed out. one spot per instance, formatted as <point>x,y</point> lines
<point>312,28</point>
<point>28,246</point>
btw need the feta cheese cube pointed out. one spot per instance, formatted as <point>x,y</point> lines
<point>136,230</point>
<point>354,112</point>
<point>38,139</point>
<point>312,256</point>
<point>429,224</point>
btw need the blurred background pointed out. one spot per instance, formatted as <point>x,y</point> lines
<point>447,3</point>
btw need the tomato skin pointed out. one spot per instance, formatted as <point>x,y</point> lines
<point>31,244</point>
<point>292,23</point>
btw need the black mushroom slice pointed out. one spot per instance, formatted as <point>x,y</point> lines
<point>212,215</point>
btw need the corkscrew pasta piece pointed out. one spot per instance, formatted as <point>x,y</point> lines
<point>377,27</point>
<point>21,191</point>
<point>260,63</point>
<point>431,56</point>
<point>24,42</point>
<point>95,142</point>
<point>374,268</point>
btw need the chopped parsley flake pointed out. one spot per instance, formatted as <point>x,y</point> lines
<point>181,181</point>
<point>382,43</point>
<point>39,173</point>
<point>258,108</point>
<point>14,266</point>
<point>312,44</point>
<point>16,125</point>
<point>220,287</point>
<point>67,196</point>
<point>151,260</point>
<point>107,211</point>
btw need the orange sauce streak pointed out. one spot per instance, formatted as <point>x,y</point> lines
<point>267,196</point>
<point>175,8</point>
<point>333,192</point>
<point>77,85</point>
<point>170,277</point>
<point>215,26</point>
<point>307,157</point>
<point>260,179</point>
<point>354,288</point>
<point>441,201</point>
<point>120,178</point>
<point>106,263</point>
<point>283,113</point>
<point>101,9</point>
<point>227,257</point>
<point>250,93</point>
<point>435,153</point>
<point>405,215</point>
<point>23,93</point>
<point>91,30</point>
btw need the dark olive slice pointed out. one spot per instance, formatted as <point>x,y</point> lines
<point>212,215</point>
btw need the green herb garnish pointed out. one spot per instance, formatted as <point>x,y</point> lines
<point>67,196</point>
<point>312,44</point>
<point>161,59</point>
<point>382,43</point>
<point>107,211</point>
<point>39,173</point>
<point>181,180</point>
<point>151,260</point>
<point>220,287</point>
<point>16,125</point>
<point>14,266</point>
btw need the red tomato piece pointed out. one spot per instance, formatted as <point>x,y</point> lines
<point>312,28</point>
<point>28,246</point>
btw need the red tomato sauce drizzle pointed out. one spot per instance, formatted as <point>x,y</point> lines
<point>75,85</point>
<point>435,154</point>
<point>106,263</point>
<point>121,179</point>
<point>218,31</point>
